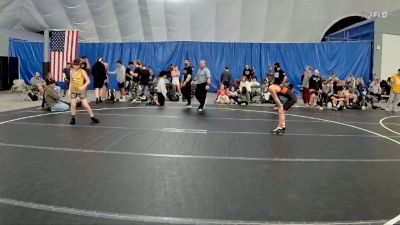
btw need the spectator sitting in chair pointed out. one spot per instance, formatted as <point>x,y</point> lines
<point>326,92</point>
<point>37,83</point>
<point>364,97</point>
<point>385,86</point>
<point>338,97</point>
<point>53,99</point>
<point>244,83</point>
<point>269,79</point>
<point>375,89</point>
<point>255,86</point>
<point>350,93</point>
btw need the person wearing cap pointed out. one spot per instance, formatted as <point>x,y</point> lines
<point>53,100</point>
<point>38,83</point>
<point>99,76</point>
<point>78,85</point>
<point>394,98</point>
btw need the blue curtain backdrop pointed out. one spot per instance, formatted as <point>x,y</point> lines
<point>343,58</point>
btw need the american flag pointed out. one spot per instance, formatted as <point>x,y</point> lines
<point>63,49</point>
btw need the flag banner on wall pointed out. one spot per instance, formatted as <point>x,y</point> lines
<point>63,49</point>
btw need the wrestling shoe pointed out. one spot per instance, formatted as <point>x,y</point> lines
<point>95,120</point>
<point>277,130</point>
<point>72,121</point>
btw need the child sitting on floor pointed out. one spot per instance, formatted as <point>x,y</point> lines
<point>244,97</point>
<point>222,95</point>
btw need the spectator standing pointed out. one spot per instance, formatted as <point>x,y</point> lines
<point>226,77</point>
<point>305,86</point>
<point>175,74</point>
<point>144,81</point>
<point>248,72</point>
<point>187,83</point>
<point>161,89</point>
<point>99,76</point>
<point>66,77</point>
<point>121,79</point>
<point>315,85</point>
<point>394,98</point>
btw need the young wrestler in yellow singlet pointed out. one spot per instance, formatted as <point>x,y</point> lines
<point>79,82</point>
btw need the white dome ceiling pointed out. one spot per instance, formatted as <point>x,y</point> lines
<point>187,20</point>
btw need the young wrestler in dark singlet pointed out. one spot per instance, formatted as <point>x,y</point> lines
<point>278,88</point>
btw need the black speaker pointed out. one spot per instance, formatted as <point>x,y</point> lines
<point>4,72</point>
<point>9,71</point>
<point>13,70</point>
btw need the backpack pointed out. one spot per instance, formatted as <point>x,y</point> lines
<point>33,97</point>
<point>172,97</point>
<point>111,96</point>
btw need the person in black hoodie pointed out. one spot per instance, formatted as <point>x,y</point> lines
<point>99,76</point>
<point>226,77</point>
<point>315,86</point>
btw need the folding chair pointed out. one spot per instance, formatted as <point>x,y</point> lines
<point>20,89</point>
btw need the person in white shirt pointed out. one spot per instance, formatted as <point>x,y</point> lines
<point>375,88</point>
<point>175,74</point>
<point>255,86</point>
<point>161,89</point>
<point>245,83</point>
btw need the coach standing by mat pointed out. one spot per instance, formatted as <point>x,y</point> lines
<point>186,83</point>
<point>203,81</point>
